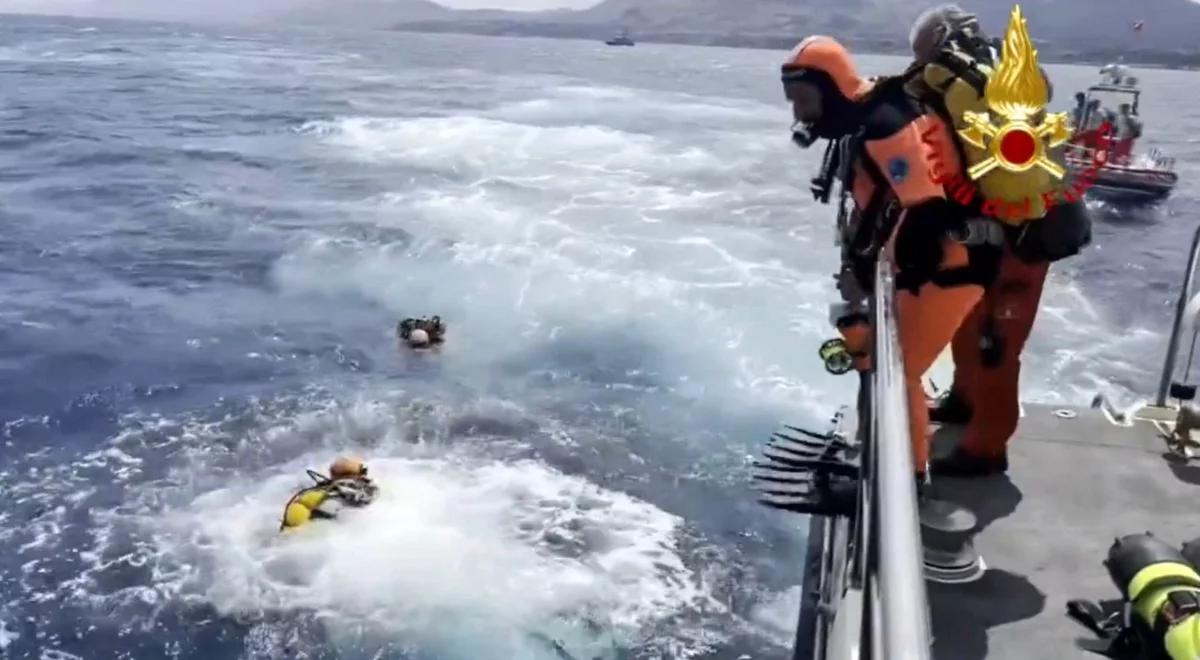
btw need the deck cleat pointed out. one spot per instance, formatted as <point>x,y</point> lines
<point>946,517</point>
<point>959,566</point>
<point>947,538</point>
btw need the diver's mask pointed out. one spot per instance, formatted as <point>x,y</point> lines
<point>839,116</point>
<point>803,135</point>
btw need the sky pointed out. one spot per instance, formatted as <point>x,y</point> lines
<point>233,9</point>
<point>521,5</point>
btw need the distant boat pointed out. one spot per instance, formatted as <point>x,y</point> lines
<point>622,39</point>
<point>1121,177</point>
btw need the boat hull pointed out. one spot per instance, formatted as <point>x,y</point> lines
<point>1130,183</point>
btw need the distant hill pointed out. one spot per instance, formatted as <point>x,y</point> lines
<point>1064,28</point>
<point>364,13</point>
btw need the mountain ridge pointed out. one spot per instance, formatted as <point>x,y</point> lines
<point>1167,36</point>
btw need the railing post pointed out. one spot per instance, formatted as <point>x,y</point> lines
<point>811,626</point>
<point>1168,372</point>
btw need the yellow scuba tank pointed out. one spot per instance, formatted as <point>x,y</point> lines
<point>1163,590</point>
<point>299,509</point>
<point>303,506</point>
<point>954,84</point>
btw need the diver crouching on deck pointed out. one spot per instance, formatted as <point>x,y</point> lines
<point>888,173</point>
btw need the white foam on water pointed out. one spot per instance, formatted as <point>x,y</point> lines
<point>488,147</point>
<point>531,230</point>
<point>776,614</point>
<point>450,548</point>
<point>1069,358</point>
<point>547,283</point>
<point>7,637</point>
<point>633,108</point>
<point>464,554</point>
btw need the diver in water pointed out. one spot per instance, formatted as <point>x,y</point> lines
<point>346,485</point>
<point>422,332</point>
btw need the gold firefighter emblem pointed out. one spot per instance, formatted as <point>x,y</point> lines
<point>1016,94</point>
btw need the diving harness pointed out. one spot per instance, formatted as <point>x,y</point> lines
<point>861,236</point>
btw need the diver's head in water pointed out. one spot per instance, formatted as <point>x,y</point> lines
<point>418,338</point>
<point>345,467</point>
<point>823,86</point>
<point>422,332</point>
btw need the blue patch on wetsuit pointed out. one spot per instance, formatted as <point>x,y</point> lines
<point>898,169</point>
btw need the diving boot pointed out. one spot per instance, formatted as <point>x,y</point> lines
<point>950,408</point>
<point>962,463</point>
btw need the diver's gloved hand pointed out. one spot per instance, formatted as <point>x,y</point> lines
<point>356,492</point>
<point>919,247</point>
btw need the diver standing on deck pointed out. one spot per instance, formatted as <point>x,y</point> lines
<point>948,46</point>
<point>987,348</point>
<point>898,206</point>
<point>1079,110</point>
<point>1127,128</point>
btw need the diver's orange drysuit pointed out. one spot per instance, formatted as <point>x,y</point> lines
<point>897,194</point>
<point>987,354</point>
<point>987,348</point>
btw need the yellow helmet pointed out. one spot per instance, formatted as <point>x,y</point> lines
<point>345,467</point>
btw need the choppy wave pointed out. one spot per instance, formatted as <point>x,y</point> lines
<point>469,551</point>
<point>205,255</point>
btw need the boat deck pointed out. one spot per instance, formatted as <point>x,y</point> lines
<point>1073,485</point>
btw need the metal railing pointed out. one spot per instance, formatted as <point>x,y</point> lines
<point>1185,296</point>
<point>896,557</point>
<point>863,592</point>
<point>810,634</point>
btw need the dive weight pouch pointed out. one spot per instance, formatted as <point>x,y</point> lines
<point>1064,232</point>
